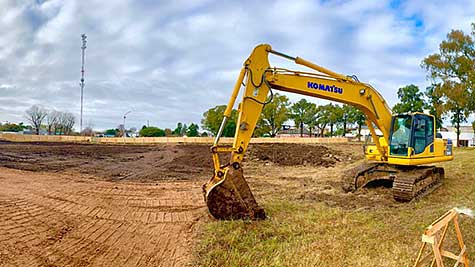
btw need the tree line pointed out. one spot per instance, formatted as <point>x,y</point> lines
<point>50,120</point>
<point>191,130</point>
<point>181,129</point>
<point>304,114</point>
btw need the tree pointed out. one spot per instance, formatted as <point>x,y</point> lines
<point>12,127</point>
<point>66,122</point>
<point>411,100</point>
<point>473,126</point>
<point>152,132</point>
<point>345,117</point>
<point>168,132</point>
<point>323,118</point>
<point>273,116</point>
<point>335,115</point>
<point>35,115</point>
<point>192,130</point>
<point>52,119</point>
<point>357,116</point>
<point>303,113</point>
<point>435,105</point>
<point>178,130</point>
<point>452,72</point>
<point>212,121</point>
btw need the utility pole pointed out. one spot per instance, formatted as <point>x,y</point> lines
<point>83,49</point>
<point>125,116</point>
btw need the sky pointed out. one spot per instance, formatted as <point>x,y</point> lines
<point>170,61</point>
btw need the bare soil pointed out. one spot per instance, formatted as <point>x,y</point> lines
<point>113,205</point>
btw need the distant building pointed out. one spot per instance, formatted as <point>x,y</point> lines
<point>466,138</point>
<point>290,131</point>
<point>365,133</point>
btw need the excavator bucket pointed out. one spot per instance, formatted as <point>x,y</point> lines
<point>230,198</point>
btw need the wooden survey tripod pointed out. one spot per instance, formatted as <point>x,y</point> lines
<point>435,234</point>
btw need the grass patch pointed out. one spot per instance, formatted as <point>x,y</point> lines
<point>306,233</point>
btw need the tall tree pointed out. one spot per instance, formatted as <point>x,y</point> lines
<point>357,116</point>
<point>335,116</point>
<point>212,120</point>
<point>452,71</point>
<point>323,118</point>
<point>273,116</point>
<point>435,105</point>
<point>66,121</point>
<point>35,115</point>
<point>345,117</point>
<point>411,99</point>
<point>52,119</point>
<point>303,113</point>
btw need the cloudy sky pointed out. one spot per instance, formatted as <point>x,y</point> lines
<point>170,61</point>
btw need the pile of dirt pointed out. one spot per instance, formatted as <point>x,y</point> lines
<point>297,154</point>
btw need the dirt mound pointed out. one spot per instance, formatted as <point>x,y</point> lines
<point>297,154</point>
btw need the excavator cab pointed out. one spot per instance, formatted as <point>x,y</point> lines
<point>411,134</point>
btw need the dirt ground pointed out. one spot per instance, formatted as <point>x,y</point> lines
<point>113,205</point>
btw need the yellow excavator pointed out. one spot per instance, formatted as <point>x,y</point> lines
<point>408,143</point>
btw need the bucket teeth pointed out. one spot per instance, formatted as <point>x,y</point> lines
<point>230,197</point>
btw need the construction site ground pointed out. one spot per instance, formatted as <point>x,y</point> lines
<point>128,205</point>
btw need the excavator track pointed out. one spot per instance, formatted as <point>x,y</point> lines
<point>408,183</point>
<point>416,183</point>
<point>351,179</point>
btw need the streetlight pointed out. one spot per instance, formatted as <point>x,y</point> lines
<point>125,116</point>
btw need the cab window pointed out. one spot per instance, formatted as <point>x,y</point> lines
<point>423,133</point>
<point>400,135</point>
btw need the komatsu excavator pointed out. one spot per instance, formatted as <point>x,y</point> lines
<point>408,143</point>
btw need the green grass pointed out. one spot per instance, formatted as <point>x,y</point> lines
<point>306,233</point>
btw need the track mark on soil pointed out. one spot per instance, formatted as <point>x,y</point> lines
<point>58,220</point>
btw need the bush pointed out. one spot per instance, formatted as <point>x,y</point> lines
<point>151,132</point>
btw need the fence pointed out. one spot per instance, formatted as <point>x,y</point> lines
<point>159,140</point>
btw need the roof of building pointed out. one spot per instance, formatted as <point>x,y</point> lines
<point>463,129</point>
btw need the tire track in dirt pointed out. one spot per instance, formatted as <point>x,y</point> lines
<point>51,219</point>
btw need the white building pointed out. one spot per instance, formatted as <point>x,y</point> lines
<point>365,133</point>
<point>467,136</point>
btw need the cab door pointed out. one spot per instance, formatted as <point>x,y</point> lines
<point>422,141</point>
